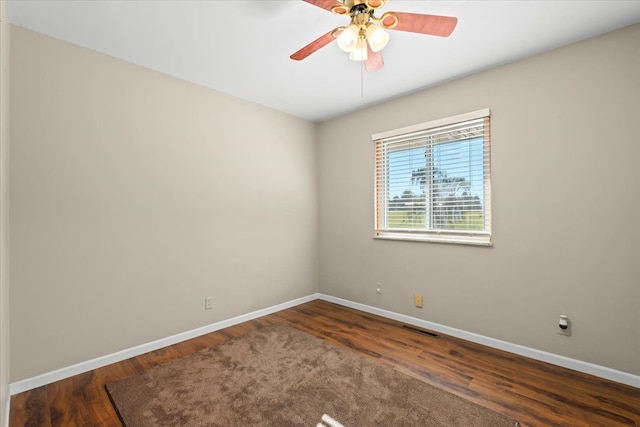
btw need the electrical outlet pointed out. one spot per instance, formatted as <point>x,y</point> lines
<point>565,325</point>
<point>417,300</point>
<point>208,301</point>
<point>378,288</point>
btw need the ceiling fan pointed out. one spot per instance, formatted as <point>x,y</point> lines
<point>364,37</point>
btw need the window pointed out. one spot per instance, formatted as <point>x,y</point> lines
<point>433,181</point>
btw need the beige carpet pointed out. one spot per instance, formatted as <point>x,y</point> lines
<point>279,376</point>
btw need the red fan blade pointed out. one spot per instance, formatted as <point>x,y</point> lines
<point>330,5</point>
<point>433,25</point>
<point>374,60</point>
<point>320,42</point>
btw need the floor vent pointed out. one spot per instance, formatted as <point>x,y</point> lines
<point>420,331</point>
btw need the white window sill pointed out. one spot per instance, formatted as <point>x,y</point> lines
<point>456,240</point>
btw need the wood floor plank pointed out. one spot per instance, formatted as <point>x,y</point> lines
<point>64,401</point>
<point>533,392</point>
<point>30,408</point>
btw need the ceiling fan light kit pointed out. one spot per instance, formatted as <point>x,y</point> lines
<point>364,39</point>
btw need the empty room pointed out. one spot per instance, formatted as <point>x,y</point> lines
<point>319,213</point>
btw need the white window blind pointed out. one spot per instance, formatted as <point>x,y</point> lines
<point>433,181</point>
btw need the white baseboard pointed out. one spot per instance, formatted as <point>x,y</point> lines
<point>554,359</point>
<point>577,365</point>
<point>79,368</point>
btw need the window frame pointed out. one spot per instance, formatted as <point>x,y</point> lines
<point>427,234</point>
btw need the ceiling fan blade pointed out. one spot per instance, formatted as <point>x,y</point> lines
<point>374,60</point>
<point>318,43</point>
<point>334,6</point>
<point>433,25</point>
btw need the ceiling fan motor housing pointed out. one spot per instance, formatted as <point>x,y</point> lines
<point>353,7</point>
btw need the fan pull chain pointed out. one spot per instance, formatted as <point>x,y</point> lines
<point>361,79</point>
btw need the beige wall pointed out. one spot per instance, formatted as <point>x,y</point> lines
<point>566,204</point>
<point>4,210</point>
<point>134,195</point>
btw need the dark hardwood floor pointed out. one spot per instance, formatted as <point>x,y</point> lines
<point>535,393</point>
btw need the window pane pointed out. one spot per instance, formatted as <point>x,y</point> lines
<point>406,207</point>
<point>457,185</point>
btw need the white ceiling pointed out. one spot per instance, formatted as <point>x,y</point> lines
<point>242,47</point>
